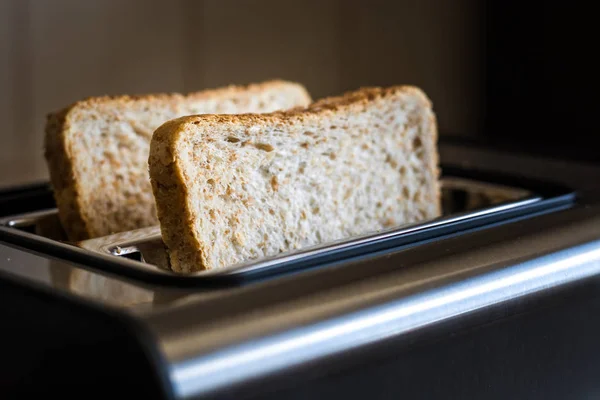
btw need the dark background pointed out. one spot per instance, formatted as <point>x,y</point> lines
<point>541,78</point>
<point>510,74</point>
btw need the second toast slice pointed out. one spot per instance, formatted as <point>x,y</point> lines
<point>97,150</point>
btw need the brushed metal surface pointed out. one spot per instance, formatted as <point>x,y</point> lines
<point>238,337</point>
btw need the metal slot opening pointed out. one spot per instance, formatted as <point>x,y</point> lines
<point>465,202</point>
<point>133,255</point>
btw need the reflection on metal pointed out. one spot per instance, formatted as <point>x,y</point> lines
<point>230,365</point>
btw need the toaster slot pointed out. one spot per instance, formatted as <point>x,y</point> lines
<point>43,223</point>
<point>458,196</point>
<point>469,200</point>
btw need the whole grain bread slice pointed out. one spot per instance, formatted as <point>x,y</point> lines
<point>97,150</point>
<point>231,189</point>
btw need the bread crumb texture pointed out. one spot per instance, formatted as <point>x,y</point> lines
<point>97,150</point>
<point>230,189</point>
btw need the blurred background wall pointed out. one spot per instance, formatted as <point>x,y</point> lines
<point>56,52</point>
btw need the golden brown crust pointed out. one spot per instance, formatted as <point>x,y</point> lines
<point>170,191</point>
<point>365,95</point>
<point>174,97</point>
<point>348,101</point>
<point>62,176</point>
<point>59,156</point>
<point>436,172</point>
<point>168,182</point>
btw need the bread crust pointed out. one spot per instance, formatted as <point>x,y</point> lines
<point>59,140</point>
<point>62,175</point>
<point>168,180</point>
<point>170,190</point>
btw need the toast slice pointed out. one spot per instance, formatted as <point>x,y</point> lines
<point>231,189</point>
<point>97,150</point>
